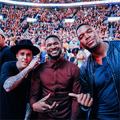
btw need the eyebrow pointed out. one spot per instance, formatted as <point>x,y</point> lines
<point>86,30</point>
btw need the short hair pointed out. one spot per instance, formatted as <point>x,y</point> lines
<point>52,36</point>
<point>82,25</point>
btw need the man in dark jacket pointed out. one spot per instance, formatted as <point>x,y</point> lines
<point>100,73</point>
<point>5,53</point>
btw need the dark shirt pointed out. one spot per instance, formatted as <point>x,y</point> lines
<point>13,103</point>
<point>6,55</point>
<point>58,79</point>
<point>108,105</point>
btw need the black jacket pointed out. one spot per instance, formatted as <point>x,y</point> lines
<point>87,72</point>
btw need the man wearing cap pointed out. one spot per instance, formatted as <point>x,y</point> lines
<point>15,80</point>
<point>5,53</point>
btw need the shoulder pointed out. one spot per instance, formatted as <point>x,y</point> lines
<point>114,44</point>
<point>8,54</point>
<point>8,50</point>
<point>9,64</point>
<point>8,68</point>
<point>117,42</point>
<point>5,48</point>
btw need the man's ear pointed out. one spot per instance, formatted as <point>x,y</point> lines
<point>17,55</point>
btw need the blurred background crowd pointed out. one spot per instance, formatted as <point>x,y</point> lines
<point>52,21</point>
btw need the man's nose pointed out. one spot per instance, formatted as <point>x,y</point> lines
<point>53,46</point>
<point>25,56</point>
<point>86,35</point>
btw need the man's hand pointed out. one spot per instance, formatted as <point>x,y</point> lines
<point>41,106</point>
<point>83,99</point>
<point>34,62</point>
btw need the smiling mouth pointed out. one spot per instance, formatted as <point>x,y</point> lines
<point>24,62</point>
<point>90,42</point>
<point>54,51</point>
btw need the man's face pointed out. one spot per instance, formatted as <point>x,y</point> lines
<point>88,37</point>
<point>53,48</point>
<point>2,41</point>
<point>24,57</point>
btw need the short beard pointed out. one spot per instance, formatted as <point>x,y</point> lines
<point>55,57</point>
<point>93,49</point>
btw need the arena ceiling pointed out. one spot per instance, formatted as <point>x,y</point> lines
<point>61,5</point>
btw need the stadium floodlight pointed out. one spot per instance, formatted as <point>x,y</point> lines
<point>42,5</point>
<point>113,19</point>
<point>71,20</point>
<point>1,17</point>
<point>31,20</point>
